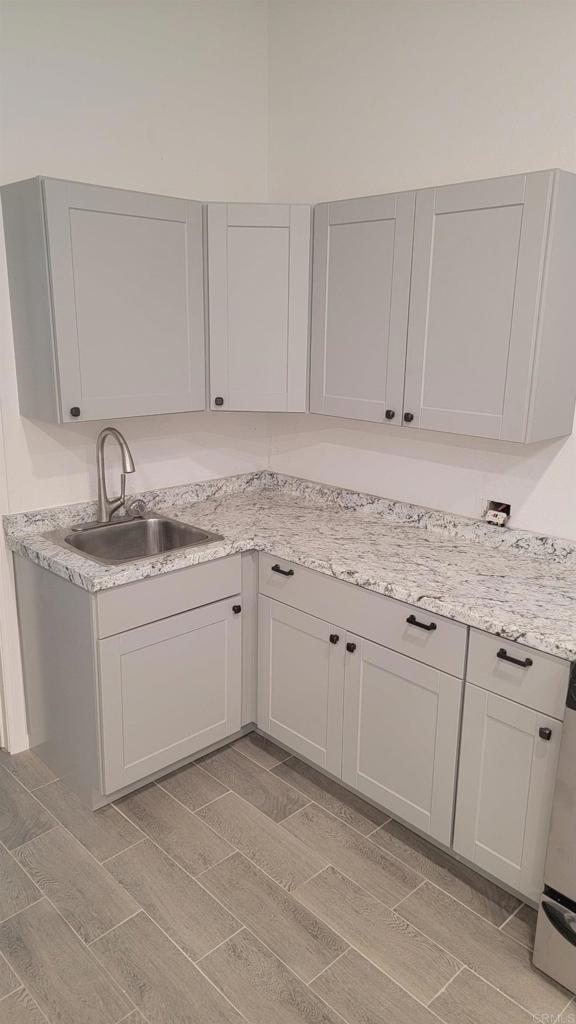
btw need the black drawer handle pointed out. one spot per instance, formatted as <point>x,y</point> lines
<point>283,572</point>
<point>413,621</point>
<point>504,656</point>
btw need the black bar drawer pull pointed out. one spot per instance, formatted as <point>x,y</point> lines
<point>413,621</point>
<point>283,572</point>
<point>504,656</point>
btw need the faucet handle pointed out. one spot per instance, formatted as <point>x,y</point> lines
<point>136,508</point>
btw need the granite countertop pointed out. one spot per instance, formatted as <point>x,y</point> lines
<point>515,584</point>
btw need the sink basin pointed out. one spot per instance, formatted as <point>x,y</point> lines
<point>117,542</point>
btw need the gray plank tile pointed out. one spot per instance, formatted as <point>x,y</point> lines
<point>288,861</point>
<point>192,918</point>
<point>482,947</point>
<point>8,980</point>
<point>256,785</point>
<point>304,943</point>
<point>334,798</point>
<point>263,989</point>
<point>522,926</point>
<point>179,832</point>
<point>261,750</point>
<point>16,889</point>
<point>58,970</point>
<point>354,855</point>
<point>470,1000</point>
<point>569,1015</point>
<point>134,1018</point>
<point>27,768</point>
<point>380,934</point>
<point>20,1008</point>
<point>88,898</point>
<point>192,787</point>
<point>362,994</point>
<point>21,816</point>
<point>103,833</point>
<point>460,881</point>
<point>162,982</point>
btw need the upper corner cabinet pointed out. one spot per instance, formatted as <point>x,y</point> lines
<point>107,296</point>
<point>360,296</point>
<point>258,282</point>
<point>491,348</point>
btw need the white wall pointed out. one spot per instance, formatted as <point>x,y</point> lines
<point>369,96</point>
<point>167,96</point>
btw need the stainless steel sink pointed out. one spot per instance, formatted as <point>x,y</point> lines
<point>117,542</point>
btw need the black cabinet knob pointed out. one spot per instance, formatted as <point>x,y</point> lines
<point>334,638</point>
<point>544,732</point>
<point>218,400</point>
<point>408,417</point>
<point>75,411</point>
<point>389,414</point>
<point>236,608</point>
<point>350,647</point>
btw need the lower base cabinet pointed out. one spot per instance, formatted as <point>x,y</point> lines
<point>401,726</point>
<point>300,682</point>
<point>169,689</point>
<point>507,770</point>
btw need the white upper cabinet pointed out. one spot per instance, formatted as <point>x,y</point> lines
<point>107,300</point>
<point>473,296</point>
<point>259,281</point>
<point>361,288</point>
<point>491,308</point>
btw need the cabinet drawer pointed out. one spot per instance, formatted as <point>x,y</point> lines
<point>147,600</point>
<point>541,684</point>
<point>373,616</point>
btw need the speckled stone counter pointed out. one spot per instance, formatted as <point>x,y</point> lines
<point>515,584</point>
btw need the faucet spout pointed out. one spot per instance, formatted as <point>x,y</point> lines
<point>108,506</point>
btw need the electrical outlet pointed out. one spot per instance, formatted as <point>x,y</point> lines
<point>497,513</point>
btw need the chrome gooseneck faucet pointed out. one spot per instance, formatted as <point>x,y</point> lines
<point>108,506</point>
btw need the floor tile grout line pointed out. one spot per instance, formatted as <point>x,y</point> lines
<point>510,916</point>
<point>496,927</point>
<point>253,759</point>
<point>292,813</point>
<point>191,809</point>
<point>449,982</point>
<point>419,886</point>
<point>331,964</point>
<point>20,984</point>
<point>217,946</point>
<point>118,925</point>
<point>28,993</point>
<point>250,761</point>
<point>511,998</point>
<point>40,835</point>
<point>29,789</point>
<point>120,852</point>
<point>22,910</point>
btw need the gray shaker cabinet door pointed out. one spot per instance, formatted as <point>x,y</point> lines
<point>259,288</point>
<point>127,292</point>
<point>360,294</point>
<point>401,726</point>
<point>300,682</point>
<point>476,277</point>
<point>505,788</point>
<point>168,690</point>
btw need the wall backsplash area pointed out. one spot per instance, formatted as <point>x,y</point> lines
<point>290,94</point>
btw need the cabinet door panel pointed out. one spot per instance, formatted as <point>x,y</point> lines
<point>361,283</point>
<point>167,690</point>
<point>300,683</point>
<point>127,283</point>
<point>401,721</point>
<point>505,788</point>
<point>259,269</point>
<point>477,265</point>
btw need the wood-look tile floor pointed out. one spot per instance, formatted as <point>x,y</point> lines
<point>248,887</point>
